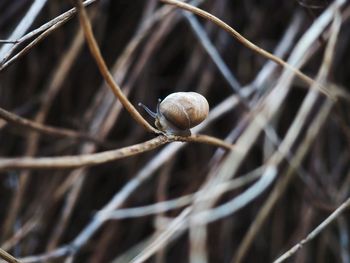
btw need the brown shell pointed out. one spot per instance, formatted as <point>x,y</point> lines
<point>184,110</point>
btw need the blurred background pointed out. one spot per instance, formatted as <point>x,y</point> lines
<point>153,50</point>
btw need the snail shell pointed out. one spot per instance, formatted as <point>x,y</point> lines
<point>179,112</point>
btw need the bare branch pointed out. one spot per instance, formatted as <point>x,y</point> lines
<point>80,160</point>
<point>202,139</point>
<point>25,23</point>
<point>42,31</point>
<point>103,157</point>
<point>96,53</point>
<point>7,257</point>
<point>49,130</point>
<point>315,232</point>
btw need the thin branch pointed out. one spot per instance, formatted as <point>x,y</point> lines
<point>181,223</point>
<point>7,62</point>
<point>80,160</point>
<point>120,197</point>
<point>247,43</point>
<point>20,234</point>
<point>209,47</point>
<point>231,164</point>
<point>49,130</point>
<point>76,161</point>
<point>43,30</point>
<point>239,201</point>
<point>315,232</point>
<point>202,139</point>
<point>145,173</point>
<point>313,128</point>
<point>329,54</point>
<point>96,53</point>
<point>7,257</point>
<point>25,23</point>
<point>158,241</point>
<point>176,203</point>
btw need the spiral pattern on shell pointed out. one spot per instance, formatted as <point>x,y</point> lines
<point>184,110</point>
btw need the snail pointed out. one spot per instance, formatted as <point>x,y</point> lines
<point>179,112</point>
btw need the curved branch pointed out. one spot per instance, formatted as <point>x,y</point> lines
<point>96,53</point>
<point>43,31</point>
<point>248,44</point>
<point>49,130</point>
<point>75,161</point>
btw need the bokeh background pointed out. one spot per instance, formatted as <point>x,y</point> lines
<point>153,50</point>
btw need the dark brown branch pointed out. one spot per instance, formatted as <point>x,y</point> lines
<point>96,53</point>
<point>16,120</point>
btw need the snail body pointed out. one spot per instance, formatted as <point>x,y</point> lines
<point>179,112</point>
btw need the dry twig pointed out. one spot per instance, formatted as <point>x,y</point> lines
<point>315,232</point>
<point>77,161</point>
<point>49,130</point>
<point>8,257</point>
<point>96,53</point>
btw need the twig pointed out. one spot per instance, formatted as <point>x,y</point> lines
<point>117,91</point>
<point>329,54</point>
<point>164,206</point>
<point>239,201</point>
<point>20,234</point>
<point>213,52</point>
<point>159,240</point>
<point>49,130</point>
<point>54,86</point>
<point>248,44</point>
<point>202,139</point>
<point>313,129</point>
<point>103,157</point>
<point>315,232</point>
<point>284,45</point>
<point>25,23</point>
<point>43,30</point>
<point>26,49</point>
<point>80,160</point>
<point>96,53</point>
<point>143,175</point>
<point>9,258</point>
